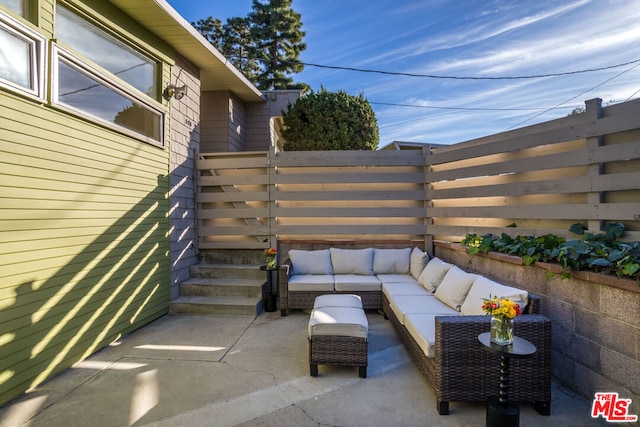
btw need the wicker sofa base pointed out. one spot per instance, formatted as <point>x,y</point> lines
<point>463,372</point>
<point>338,350</point>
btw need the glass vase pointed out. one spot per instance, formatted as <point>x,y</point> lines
<point>501,330</point>
<point>270,261</point>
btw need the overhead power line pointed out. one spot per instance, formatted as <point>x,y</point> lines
<point>435,76</point>
<point>432,107</point>
<point>574,97</point>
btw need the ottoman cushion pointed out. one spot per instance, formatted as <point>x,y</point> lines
<point>338,321</point>
<point>338,300</point>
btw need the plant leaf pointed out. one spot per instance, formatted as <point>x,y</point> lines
<point>577,228</point>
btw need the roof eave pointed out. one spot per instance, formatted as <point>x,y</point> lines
<point>216,72</point>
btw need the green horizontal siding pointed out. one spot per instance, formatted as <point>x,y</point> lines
<point>83,240</point>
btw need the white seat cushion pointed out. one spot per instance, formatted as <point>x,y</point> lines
<point>396,278</point>
<point>433,273</point>
<point>391,290</point>
<point>486,288</point>
<point>412,304</point>
<point>341,321</point>
<point>356,282</point>
<point>338,300</point>
<point>311,262</point>
<point>391,261</point>
<point>455,286</point>
<point>352,261</point>
<point>311,282</point>
<point>422,327</point>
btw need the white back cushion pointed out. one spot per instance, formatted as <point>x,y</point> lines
<point>433,274</point>
<point>484,288</point>
<point>389,261</point>
<point>419,260</point>
<point>311,262</point>
<point>352,261</point>
<point>455,286</point>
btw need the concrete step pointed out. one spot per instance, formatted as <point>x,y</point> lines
<point>217,306</point>
<point>203,286</point>
<point>231,271</point>
<point>232,256</point>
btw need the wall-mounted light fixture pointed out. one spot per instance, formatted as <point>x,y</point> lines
<point>178,92</point>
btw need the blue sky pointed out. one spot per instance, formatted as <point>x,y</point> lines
<point>463,38</point>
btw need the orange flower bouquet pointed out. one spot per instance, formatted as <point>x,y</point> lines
<point>502,311</point>
<point>270,257</point>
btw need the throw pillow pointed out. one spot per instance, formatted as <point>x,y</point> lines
<point>352,261</point>
<point>455,287</point>
<point>311,262</point>
<point>419,260</point>
<point>433,274</point>
<point>484,288</point>
<point>391,261</point>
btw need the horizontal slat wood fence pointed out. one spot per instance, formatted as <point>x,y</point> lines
<point>247,199</point>
<point>542,178</point>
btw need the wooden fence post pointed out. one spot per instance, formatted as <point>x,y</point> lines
<point>428,220</point>
<point>594,170</point>
<point>271,193</point>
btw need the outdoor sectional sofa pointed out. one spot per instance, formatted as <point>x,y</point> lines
<point>435,308</point>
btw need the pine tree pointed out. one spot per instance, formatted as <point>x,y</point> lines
<point>276,32</point>
<point>265,46</point>
<point>211,29</point>
<point>236,39</point>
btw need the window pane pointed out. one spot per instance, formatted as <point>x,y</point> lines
<point>15,59</point>
<point>90,95</point>
<point>108,52</point>
<point>17,6</point>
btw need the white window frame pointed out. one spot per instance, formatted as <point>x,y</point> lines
<point>105,79</point>
<point>106,34</point>
<point>37,53</point>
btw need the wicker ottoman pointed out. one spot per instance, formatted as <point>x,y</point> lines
<point>338,331</point>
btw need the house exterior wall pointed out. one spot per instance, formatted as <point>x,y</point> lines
<point>231,125</point>
<point>261,130</point>
<point>83,226</point>
<point>185,139</point>
<point>224,120</point>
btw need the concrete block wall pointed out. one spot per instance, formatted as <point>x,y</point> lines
<point>596,326</point>
<point>185,137</point>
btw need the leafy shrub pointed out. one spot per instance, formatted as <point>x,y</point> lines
<point>330,121</point>
<point>600,252</point>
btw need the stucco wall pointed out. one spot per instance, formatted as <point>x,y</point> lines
<point>596,327</point>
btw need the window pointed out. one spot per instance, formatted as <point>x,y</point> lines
<point>20,7</point>
<point>105,50</point>
<point>88,92</point>
<point>105,79</point>
<point>21,57</point>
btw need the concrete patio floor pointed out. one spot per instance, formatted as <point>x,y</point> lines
<point>220,371</point>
